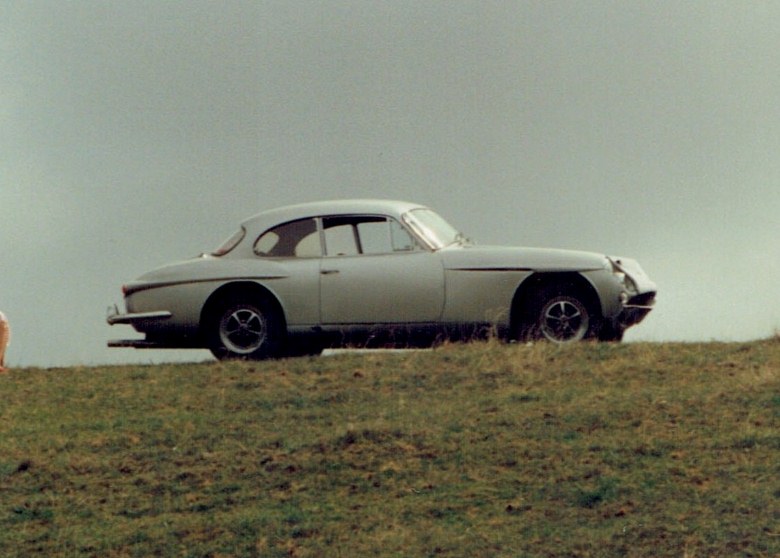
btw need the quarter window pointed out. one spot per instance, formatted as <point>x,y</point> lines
<point>297,239</point>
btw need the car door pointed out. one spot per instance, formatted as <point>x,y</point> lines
<point>374,272</point>
<point>297,247</point>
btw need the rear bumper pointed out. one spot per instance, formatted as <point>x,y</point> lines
<point>135,344</point>
<point>182,343</point>
<point>139,320</point>
<point>114,317</point>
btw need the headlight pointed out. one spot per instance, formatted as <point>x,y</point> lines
<point>620,275</point>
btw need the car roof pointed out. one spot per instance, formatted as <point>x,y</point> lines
<point>289,213</point>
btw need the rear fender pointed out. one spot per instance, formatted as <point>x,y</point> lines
<point>239,290</point>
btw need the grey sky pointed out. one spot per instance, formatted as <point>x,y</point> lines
<point>136,133</point>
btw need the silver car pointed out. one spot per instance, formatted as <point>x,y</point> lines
<point>375,273</point>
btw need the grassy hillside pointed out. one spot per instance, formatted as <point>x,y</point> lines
<point>468,450</point>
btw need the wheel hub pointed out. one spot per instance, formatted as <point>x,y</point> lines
<point>243,331</point>
<point>564,320</point>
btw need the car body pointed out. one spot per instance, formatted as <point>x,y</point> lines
<point>375,272</point>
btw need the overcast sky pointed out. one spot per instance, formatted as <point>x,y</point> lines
<point>137,133</point>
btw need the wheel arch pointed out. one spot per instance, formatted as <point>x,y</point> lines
<point>239,290</point>
<point>565,282</point>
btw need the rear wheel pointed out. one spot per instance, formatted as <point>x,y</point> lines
<point>249,330</point>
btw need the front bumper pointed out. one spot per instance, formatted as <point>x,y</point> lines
<point>636,309</point>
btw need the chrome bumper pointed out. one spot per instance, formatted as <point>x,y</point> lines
<point>636,309</point>
<point>135,344</point>
<point>114,317</point>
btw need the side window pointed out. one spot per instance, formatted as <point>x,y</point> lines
<point>401,239</point>
<point>350,236</point>
<point>340,236</point>
<point>375,237</point>
<point>297,239</point>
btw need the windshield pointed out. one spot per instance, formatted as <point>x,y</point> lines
<point>429,225</point>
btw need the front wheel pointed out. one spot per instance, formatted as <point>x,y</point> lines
<point>244,330</point>
<point>563,319</point>
<point>558,317</point>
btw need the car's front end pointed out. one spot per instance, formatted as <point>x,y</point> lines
<point>637,296</point>
<point>509,286</point>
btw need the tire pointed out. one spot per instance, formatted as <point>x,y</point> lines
<point>244,330</point>
<point>560,318</point>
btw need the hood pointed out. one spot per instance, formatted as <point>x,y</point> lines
<point>518,258</point>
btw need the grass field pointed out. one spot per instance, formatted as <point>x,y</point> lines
<point>486,449</point>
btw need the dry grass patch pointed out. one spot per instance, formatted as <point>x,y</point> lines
<point>469,450</point>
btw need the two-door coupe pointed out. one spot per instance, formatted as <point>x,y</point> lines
<point>378,272</point>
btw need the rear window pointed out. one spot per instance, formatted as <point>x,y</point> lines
<point>230,243</point>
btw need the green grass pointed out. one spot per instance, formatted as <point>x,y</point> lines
<point>468,450</point>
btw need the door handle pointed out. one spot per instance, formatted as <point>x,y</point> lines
<point>328,271</point>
